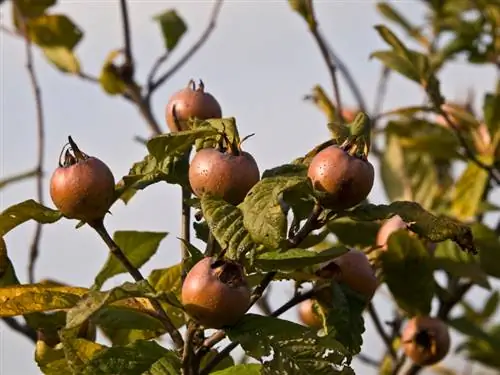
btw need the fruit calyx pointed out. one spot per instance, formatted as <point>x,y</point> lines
<point>358,141</point>
<point>70,159</point>
<point>229,273</point>
<point>425,341</point>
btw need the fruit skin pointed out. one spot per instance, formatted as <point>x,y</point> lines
<point>357,273</point>
<point>343,180</point>
<point>210,298</point>
<point>308,315</point>
<point>224,175</point>
<point>84,190</point>
<point>392,225</point>
<point>431,345</point>
<point>190,102</point>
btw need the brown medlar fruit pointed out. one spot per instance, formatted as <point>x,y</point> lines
<point>426,340</point>
<point>343,180</point>
<point>191,102</point>
<point>215,293</point>
<point>308,315</point>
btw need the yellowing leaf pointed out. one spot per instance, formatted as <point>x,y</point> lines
<point>26,299</point>
<point>28,210</point>
<point>34,8</point>
<point>54,30</point>
<point>63,58</point>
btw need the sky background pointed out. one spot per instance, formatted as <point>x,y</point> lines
<point>259,63</point>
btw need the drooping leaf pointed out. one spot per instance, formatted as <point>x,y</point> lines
<point>354,233</point>
<point>408,271</point>
<point>420,221</point>
<point>63,59</point>
<point>31,298</point>
<point>19,213</point>
<point>93,301</point>
<point>34,8</point>
<point>226,223</point>
<point>488,243</point>
<point>7,273</point>
<point>296,258</point>
<point>249,369</point>
<point>138,247</point>
<point>397,63</point>
<point>448,257</point>
<point>263,214</point>
<point>468,192</point>
<point>294,348</point>
<point>491,110</point>
<point>172,27</point>
<point>320,98</point>
<point>54,30</point>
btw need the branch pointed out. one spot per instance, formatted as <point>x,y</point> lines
<point>380,329</point>
<point>126,33</point>
<point>185,228</point>
<point>380,93</point>
<point>99,227</point>
<point>25,330</point>
<point>184,59</point>
<point>332,69</point>
<point>310,224</point>
<point>34,247</point>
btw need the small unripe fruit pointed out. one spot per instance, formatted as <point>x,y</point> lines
<point>426,340</point>
<point>215,293</point>
<point>308,315</point>
<point>223,175</point>
<point>83,187</point>
<point>343,180</point>
<point>191,102</point>
<point>357,273</point>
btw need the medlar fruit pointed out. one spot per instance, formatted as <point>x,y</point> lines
<point>82,187</point>
<point>356,272</point>
<point>426,340</point>
<point>225,175</point>
<point>343,180</point>
<point>215,293</point>
<point>308,315</point>
<point>191,102</point>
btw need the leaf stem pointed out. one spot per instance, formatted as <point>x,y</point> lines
<point>99,227</point>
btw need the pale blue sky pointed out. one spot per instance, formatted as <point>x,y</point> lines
<point>259,63</point>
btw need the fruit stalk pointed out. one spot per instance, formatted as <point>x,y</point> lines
<point>185,229</point>
<point>99,227</point>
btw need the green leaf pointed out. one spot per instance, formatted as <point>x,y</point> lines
<point>168,365</point>
<point>263,214</point>
<point>54,30</point>
<point>31,298</point>
<point>110,78</point>
<point>391,39</point>
<point>294,348</point>
<point>138,247</point>
<point>302,8</point>
<point>448,257</point>
<point>127,360</point>
<point>168,281</point>
<point>226,223</point>
<point>419,221</point>
<point>344,317</point>
<point>491,110</point>
<point>93,301</point>
<point>63,59</point>
<point>8,275</point>
<point>172,27</point>
<point>393,171</point>
<point>17,178</point>
<point>34,8</point>
<point>225,363</point>
<point>407,269</point>
<point>389,12</point>
<point>491,306</point>
<point>468,193</point>
<point>354,233</point>
<point>286,170</point>
<point>251,369</point>
<point>176,144</point>
<point>195,254</point>
<point>296,258</point>
<point>488,243</point>
<point>397,63</point>
<point>486,351</point>
<point>320,98</point>
<point>19,213</point>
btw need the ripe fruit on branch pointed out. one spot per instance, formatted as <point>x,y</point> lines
<point>343,180</point>
<point>191,102</point>
<point>426,340</point>
<point>227,175</point>
<point>82,187</point>
<point>215,293</point>
<point>308,315</point>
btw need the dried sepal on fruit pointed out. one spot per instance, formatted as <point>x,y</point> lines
<point>191,102</point>
<point>215,292</point>
<point>225,172</point>
<point>426,340</point>
<point>82,187</point>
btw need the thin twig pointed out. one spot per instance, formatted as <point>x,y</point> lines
<point>368,360</point>
<point>187,56</point>
<point>332,69</point>
<point>25,330</point>
<point>188,353</point>
<point>310,224</point>
<point>126,33</point>
<point>380,93</point>
<point>40,127</point>
<point>99,227</point>
<point>381,331</point>
<point>185,228</point>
